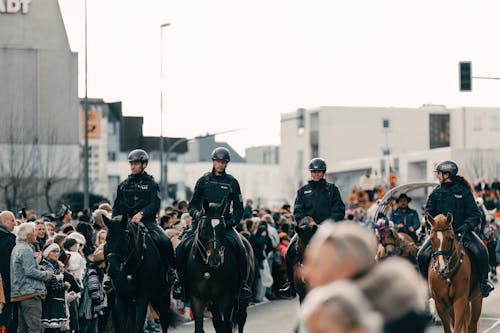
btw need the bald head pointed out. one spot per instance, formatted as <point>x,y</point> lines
<point>8,220</point>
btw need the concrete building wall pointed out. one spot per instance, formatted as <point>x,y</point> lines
<point>39,98</point>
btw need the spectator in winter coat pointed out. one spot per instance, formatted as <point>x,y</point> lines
<point>27,280</point>
<point>93,296</point>
<point>54,316</point>
<point>8,317</point>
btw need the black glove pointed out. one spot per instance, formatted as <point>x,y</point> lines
<point>466,228</point>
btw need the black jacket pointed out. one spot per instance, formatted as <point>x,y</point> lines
<point>7,243</point>
<point>215,189</point>
<point>319,200</point>
<point>455,198</point>
<point>138,193</point>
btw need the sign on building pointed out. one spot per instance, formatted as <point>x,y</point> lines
<point>94,124</point>
<point>14,6</point>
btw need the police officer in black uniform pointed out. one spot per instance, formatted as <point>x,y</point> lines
<point>454,195</point>
<point>319,200</point>
<point>215,186</point>
<point>138,198</point>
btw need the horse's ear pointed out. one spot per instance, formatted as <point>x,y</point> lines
<point>106,220</point>
<point>449,218</point>
<point>206,205</point>
<point>429,218</point>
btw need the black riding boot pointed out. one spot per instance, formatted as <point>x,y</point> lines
<point>180,257</point>
<point>234,239</point>
<point>424,257</point>
<point>166,250</point>
<point>288,289</point>
<point>476,246</point>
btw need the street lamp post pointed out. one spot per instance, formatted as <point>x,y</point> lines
<point>162,177</point>
<point>86,129</point>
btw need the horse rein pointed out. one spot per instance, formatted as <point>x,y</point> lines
<point>202,249</point>
<point>447,272</point>
<point>124,263</point>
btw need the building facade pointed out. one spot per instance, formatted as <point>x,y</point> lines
<point>410,141</point>
<point>39,139</point>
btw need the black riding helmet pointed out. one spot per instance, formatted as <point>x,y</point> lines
<point>317,164</point>
<point>447,167</point>
<point>138,155</point>
<point>221,154</point>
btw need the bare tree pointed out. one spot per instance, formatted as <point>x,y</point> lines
<point>480,164</point>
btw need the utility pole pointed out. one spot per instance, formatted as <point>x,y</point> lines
<point>163,189</point>
<point>86,129</point>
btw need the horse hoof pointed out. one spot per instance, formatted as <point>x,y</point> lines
<point>206,275</point>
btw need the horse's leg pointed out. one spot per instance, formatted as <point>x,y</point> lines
<point>444,314</point>
<point>461,316</point>
<point>120,313</point>
<point>162,306</point>
<point>476,305</point>
<point>140,309</point>
<point>227,320</point>
<point>216,317</point>
<point>241,316</point>
<point>198,308</point>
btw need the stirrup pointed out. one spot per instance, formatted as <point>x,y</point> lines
<point>178,290</point>
<point>486,288</point>
<point>245,294</point>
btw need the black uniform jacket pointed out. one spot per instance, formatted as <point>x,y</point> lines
<point>319,200</point>
<point>215,189</point>
<point>138,193</point>
<point>455,198</point>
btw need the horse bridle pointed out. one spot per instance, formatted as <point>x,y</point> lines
<point>384,243</point>
<point>202,249</point>
<point>132,245</point>
<point>447,272</point>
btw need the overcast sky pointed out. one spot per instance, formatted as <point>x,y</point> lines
<point>232,64</point>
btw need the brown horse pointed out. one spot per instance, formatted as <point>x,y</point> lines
<point>452,284</point>
<point>393,243</point>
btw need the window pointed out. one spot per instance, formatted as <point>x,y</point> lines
<point>386,123</point>
<point>477,123</point>
<point>439,130</point>
<point>493,123</point>
<point>111,156</point>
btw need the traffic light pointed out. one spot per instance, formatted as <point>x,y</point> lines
<point>465,76</point>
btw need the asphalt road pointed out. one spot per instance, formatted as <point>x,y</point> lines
<point>490,315</point>
<point>280,316</point>
<point>277,317</point>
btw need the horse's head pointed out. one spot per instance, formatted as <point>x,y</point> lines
<point>444,244</point>
<point>305,232</point>
<point>211,233</point>
<point>117,240</point>
<point>389,239</point>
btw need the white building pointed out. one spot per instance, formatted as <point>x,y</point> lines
<point>409,140</point>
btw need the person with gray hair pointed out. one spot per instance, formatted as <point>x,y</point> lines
<point>342,250</point>
<point>395,289</point>
<point>27,280</point>
<point>339,307</point>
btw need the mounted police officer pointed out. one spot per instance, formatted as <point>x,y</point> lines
<point>318,200</point>
<point>138,198</point>
<point>214,186</point>
<point>454,195</point>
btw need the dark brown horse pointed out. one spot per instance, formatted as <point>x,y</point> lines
<point>393,243</point>
<point>211,278</point>
<point>452,284</point>
<point>304,232</point>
